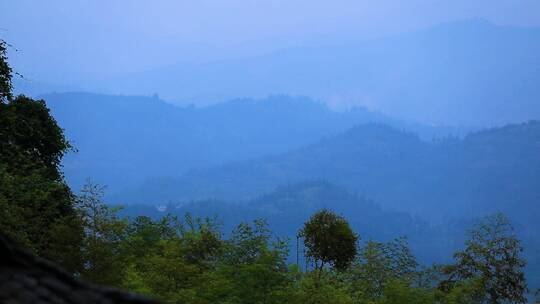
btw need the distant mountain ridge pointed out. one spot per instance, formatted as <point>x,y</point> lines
<point>492,170</point>
<point>122,140</point>
<point>468,72</point>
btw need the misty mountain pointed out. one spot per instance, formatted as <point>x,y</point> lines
<point>461,73</point>
<point>27,86</point>
<point>493,170</point>
<point>123,140</point>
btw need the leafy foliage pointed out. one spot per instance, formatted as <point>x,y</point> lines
<point>5,74</point>
<point>379,264</point>
<point>37,205</point>
<point>104,233</point>
<point>492,255</point>
<point>329,240</point>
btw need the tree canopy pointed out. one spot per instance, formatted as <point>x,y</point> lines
<point>36,205</point>
<point>329,240</point>
<point>493,256</point>
<point>5,74</point>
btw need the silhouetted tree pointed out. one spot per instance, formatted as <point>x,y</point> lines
<point>329,240</point>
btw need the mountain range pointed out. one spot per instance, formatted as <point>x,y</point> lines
<point>469,72</point>
<point>123,140</point>
<point>441,75</point>
<point>487,171</point>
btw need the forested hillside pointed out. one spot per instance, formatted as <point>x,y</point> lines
<point>496,169</point>
<point>122,140</point>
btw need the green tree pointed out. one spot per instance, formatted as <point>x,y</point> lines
<point>104,234</point>
<point>381,263</point>
<point>492,255</point>
<point>5,74</point>
<point>329,240</point>
<point>315,289</point>
<point>255,265</point>
<point>398,292</point>
<point>145,239</point>
<point>37,207</point>
<point>201,241</point>
<point>469,291</point>
<point>170,259</point>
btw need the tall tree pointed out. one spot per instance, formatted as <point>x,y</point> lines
<point>492,255</point>
<point>104,233</point>
<point>329,240</point>
<point>36,205</point>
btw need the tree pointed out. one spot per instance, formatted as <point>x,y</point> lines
<point>255,265</point>
<point>314,289</point>
<point>492,255</point>
<point>329,240</point>
<point>398,292</point>
<point>201,241</point>
<point>463,292</point>
<point>381,263</point>
<point>36,205</point>
<point>5,74</point>
<point>104,234</point>
<point>169,258</point>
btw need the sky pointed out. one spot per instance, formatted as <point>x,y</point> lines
<point>69,42</point>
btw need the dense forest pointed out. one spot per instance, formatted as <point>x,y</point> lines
<point>331,257</point>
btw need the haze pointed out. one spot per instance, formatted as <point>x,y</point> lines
<point>406,123</point>
<point>89,45</point>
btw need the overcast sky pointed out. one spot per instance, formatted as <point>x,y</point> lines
<point>66,40</point>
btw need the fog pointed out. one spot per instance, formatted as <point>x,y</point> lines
<point>205,52</point>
